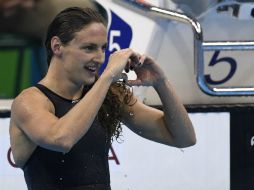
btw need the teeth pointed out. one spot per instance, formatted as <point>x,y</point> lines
<point>92,68</point>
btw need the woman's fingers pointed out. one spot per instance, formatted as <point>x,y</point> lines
<point>136,82</point>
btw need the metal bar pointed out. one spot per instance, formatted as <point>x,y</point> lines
<point>199,47</point>
<point>168,14</point>
<point>228,45</point>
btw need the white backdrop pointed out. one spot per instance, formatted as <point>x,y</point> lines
<point>147,165</point>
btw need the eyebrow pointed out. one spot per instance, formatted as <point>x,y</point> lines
<point>93,44</point>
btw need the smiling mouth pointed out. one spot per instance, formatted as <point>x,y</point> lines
<point>91,69</point>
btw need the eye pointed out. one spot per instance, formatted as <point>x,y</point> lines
<point>89,48</point>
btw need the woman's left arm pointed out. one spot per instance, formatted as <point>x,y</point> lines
<point>172,126</point>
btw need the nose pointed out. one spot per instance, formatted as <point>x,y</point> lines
<point>99,56</point>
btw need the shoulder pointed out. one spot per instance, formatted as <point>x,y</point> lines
<point>29,95</point>
<point>30,100</point>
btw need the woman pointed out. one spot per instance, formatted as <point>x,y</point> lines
<point>61,129</point>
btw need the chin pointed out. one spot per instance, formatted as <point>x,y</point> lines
<point>89,81</point>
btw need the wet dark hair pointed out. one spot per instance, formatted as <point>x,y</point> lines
<point>68,22</point>
<point>111,112</point>
<point>65,25</point>
<point>118,98</point>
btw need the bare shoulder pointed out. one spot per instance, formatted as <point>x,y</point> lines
<point>28,95</point>
<point>31,97</point>
<point>29,100</point>
<point>25,107</point>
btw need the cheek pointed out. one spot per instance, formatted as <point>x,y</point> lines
<point>72,54</point>
<point>72,66</point>
<point>75,62</point>
<point>81,57</point>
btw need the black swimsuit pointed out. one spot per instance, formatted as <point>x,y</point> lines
<point>85,167</point>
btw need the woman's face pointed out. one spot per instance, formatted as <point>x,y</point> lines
<point>83,56</point>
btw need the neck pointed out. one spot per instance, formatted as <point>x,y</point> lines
<point>57,81</point>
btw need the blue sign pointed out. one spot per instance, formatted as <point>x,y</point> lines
<point>119,37</point>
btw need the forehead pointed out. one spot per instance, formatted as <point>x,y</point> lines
<point>92,33</point>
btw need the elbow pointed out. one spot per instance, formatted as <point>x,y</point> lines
<point>187,140</point>
<point>19,163</point>
<point>184,142</point>
<point>192,141</point>
<point>62,141</point>
<point>57,143</point>
<point>19,159</point>
<point>65,148</point>
<point>187,143</point>
<point>64,145</point>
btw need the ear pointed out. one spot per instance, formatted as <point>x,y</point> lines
<point>56,46</point>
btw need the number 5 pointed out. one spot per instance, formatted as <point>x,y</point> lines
<point>215,61</point>
<point>113,45</point>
